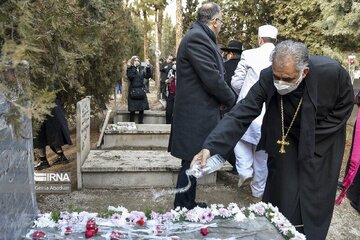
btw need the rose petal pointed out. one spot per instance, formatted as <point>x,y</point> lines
<point>204,231</point>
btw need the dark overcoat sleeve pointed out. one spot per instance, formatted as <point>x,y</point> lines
<point>203,62</point>
<point>233,126</point>
<point>336,118</point>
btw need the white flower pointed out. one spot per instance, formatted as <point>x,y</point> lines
<point>239,216</point>
<point>120,209</point>
<point>44,221</point>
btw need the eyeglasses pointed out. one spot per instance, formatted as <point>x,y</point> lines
<point>218,19</point>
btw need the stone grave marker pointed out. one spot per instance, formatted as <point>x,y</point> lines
<point>18,206</point>
<point>82,135</point>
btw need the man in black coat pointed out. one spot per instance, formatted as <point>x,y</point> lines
<point>308,101</point>
<point>200,91</point>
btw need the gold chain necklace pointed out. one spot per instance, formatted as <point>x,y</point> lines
<point>283,141</point>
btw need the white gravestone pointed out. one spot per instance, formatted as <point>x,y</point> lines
<point>82,135</point>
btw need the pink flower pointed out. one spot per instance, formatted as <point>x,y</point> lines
<point>38,235</point>
<point>68,230</point>
<point>115,235</point>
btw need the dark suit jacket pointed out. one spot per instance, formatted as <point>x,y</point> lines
<point>200,90</point>
<point>305,177</point>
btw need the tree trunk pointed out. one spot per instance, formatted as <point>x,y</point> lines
<point>146,41</point>
<point>124,84</point>
<point>178,23</point>
<point>158,19</point>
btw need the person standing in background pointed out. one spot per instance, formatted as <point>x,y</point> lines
<point>250,162</point>
<point>232,53</point>
<point>147,78</point>
<point>171,88</point>
<point>53,132</point>
<point>200,92</point>
<point>136,77</point>
<point>164,70</point>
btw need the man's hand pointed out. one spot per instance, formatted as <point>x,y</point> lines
<point>202,156</point>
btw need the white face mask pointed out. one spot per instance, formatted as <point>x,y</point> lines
<point>283,87</point>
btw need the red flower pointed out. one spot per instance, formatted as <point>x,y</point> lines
<point>204,231</point>
<point>89,233</point>
<point>68,231</point>
<point>91,224</point>
<point>141,222</point>
<point>38,235</point>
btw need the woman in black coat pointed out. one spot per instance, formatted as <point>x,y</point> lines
<point>137,99</point>
<point>54,132</point>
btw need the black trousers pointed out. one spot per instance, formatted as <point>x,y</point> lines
<point>186,199</point>
<point>141,117</point>
<point>169,107</point>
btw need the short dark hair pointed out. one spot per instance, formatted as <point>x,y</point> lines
<point>207,12</point>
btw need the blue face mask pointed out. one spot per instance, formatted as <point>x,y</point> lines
<point>283,87</point>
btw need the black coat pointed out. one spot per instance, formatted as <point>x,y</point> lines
<point>230,67</point>
<point>200,90</point>
<point>302,182</point>
<point>54,130</point>
<point>136,79</point>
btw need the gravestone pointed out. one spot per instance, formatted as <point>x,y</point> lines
<point>82,135</point>
<point>17,192</point>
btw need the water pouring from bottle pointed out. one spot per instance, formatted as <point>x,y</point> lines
<point>213,164</point>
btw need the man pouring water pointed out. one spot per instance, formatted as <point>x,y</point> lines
<point>308,101</point>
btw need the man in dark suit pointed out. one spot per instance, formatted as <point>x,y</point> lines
<point>308,101</point>
<point>200,91</point>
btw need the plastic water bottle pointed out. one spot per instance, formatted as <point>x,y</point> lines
<point>213,164</point>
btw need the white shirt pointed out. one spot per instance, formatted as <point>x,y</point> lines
<point>246,75</point>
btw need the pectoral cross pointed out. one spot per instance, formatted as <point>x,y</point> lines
<point>282,142</point>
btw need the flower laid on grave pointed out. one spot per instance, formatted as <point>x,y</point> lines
<point>119,223</point>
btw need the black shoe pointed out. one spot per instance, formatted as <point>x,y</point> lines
<point>42,164</point>
<point>201,204</point>
<point>61,159</point>
<point>354,205</point>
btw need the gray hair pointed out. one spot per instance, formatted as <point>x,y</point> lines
<point>133,58</point>
<point>207,12</point>
<point>294,50</point>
